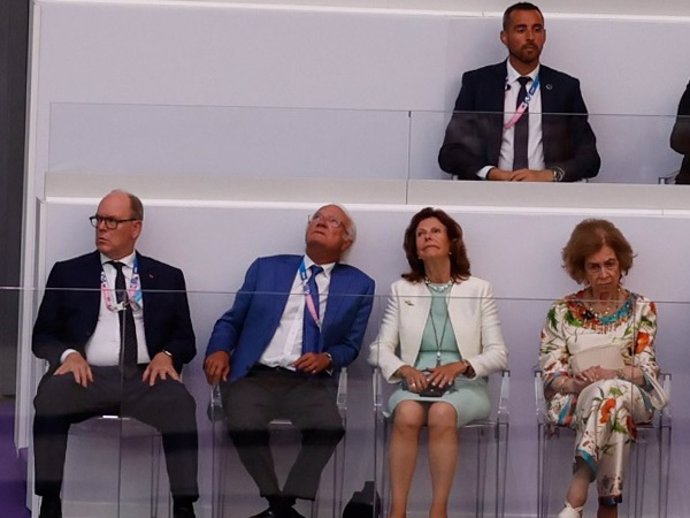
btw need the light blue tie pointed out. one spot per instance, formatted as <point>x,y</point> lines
<point>310,331</point>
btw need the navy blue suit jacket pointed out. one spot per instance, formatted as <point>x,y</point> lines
<point>680,137</point>
<point>474,134</point>
<point>246,329</point>
<point>68,313</point>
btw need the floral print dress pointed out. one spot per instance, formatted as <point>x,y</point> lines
<point>603,414</point>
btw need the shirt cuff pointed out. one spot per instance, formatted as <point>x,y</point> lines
<point>484,172</point>
<point>67,352</point>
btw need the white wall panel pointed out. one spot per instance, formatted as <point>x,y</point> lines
<point>217,141</point>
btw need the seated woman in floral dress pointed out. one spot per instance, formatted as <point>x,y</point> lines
<point>587,385</point>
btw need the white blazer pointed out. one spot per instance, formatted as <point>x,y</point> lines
<point>473,315</point>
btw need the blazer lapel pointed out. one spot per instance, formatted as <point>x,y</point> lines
<point>336,294</point>
<point>414,311</point>
<point>147,275</point>
<point>549,92</point>
<point>496,89</point>
<point>92,296</point>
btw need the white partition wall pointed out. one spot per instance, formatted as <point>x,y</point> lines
<point>233,122</point>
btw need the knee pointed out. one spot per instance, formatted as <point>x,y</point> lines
<point>244,422</point>
<point>52,391</point>
<point>177,397</point>
<point>442,417</point>
<point>408,417</point>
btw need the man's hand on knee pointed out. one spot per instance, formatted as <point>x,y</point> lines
<point>161,366</point>
<point>217,367</point>
<point>76,364</point>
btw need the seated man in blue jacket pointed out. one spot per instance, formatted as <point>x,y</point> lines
<point>296,320</point>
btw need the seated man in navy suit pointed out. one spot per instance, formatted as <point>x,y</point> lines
<point>295,321</point>
<point>519,120</point>
<point>115,327</point>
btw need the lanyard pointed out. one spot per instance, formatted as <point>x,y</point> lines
<point>311,307</point>
<point>523,105</point>
<point>439,343</point>
<point>134,294</point>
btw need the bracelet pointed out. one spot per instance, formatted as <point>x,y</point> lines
<point>167,353</point>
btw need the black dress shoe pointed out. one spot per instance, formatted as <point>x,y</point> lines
<point>292,513</point>
<point>51,507</point>
<point>266,513</point>
<point>183,510</point>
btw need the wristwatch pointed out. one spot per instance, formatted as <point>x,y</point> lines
<point>330,358</point>
<point>558,174</point>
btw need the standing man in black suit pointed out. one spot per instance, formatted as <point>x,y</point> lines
<point>519,120</point>
<point>115,350</point>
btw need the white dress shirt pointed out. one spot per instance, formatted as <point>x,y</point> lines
<point>286,345</point>
<point>103,347</point>
<point>535,146</point>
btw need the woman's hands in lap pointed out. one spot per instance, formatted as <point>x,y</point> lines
<point>415,379</point>
<point>445,375</point>
<point>441,376</point>
<point>596,373</point>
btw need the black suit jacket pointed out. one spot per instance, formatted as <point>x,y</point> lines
<point>680,137</point>
<point>68,313</point>
<point>474,134</point>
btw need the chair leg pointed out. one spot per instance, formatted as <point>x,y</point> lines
<point>339,474</point>
<point>119,469</point>
<point>541,445</point>
<point>638,476</point>
<point>155,474</point>
<point>385,490</point>
<point>546,480</point>
<point>502,437</point>
<point>664,439</point>
<point>219,468</point>
<point>482,453</point>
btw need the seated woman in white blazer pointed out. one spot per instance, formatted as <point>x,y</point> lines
<point>440,337</point>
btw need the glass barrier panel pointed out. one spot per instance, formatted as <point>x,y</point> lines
<point>508,457</point>
<point>631,148</point>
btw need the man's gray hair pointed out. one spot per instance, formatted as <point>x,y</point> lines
<point>350,226</point>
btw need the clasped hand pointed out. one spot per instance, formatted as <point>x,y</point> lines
<point>441,376</point>
<point>595,373</point>
<point>521,175</point>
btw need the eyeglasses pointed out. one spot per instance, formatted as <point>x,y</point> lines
<point>331,222</point>
<point>110,223</point>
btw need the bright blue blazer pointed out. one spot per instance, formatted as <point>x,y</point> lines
<point>246,329</point>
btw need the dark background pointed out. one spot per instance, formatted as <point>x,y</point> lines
<point>14,37</point>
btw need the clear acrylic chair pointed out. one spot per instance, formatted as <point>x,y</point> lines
<point>669,178</point>
<point>125,429</point>
<point>493,430</point>
<point>221,444</point>
<point>555,458</point>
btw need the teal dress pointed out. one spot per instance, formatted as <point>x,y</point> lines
<point>469,397</point>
